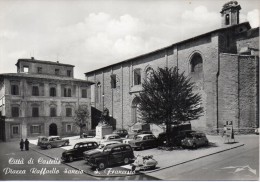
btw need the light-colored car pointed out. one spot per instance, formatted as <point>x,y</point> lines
<point>103,145</point>
<point>53,141</point>
<point>129,137</point>
<point>112,137</point>
<point>194,140</point>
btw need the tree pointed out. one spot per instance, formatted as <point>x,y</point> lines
<point>167,98</point>
<point>81,118</point>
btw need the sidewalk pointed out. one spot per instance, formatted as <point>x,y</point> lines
<point>165,159</point>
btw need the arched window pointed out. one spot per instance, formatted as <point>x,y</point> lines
<point>137,76</point>
<point>196,63</point>
<point>53,92</point>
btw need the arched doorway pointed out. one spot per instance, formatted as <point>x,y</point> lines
<point>135,111</point>
<point>53,130</point>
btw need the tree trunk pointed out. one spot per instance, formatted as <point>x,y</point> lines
<point>81,132</point>
<point>168,131</point>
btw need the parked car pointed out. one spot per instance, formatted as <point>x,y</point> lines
<point>77,151</point>
<point>144,141</point>
<point>89,133</point>
<point>112,137</point>
<point>40,139</point>
<point>194,140</point>
<point>121,132</point>
<point>175,137</point>
<point>129,137</point>
<point>112,154</point>
<point>53,141</point>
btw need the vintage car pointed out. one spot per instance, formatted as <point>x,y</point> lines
<point>40,139</point>
<point>77,151</point>
<point>175,137</point>
<point>194,140</point>
<point>144,141</point>
<point>121,132</point>
<point>129,137</point>
<point>103,145</point>
<point>53,141</point>
<point>111,137</point>
<point>112,154</point>
<point>89,133</point>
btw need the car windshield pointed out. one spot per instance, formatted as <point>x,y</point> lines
<point>107,149</point>
<point>101,146</point>
<point>138,138</point>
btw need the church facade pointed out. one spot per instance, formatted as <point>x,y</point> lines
<point>223,64</point>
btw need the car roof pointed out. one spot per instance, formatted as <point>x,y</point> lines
<point>117,145</point>
<point>110,142</point>
<point>142,135</point>
<point>111,135</point>
<point>80,143</point>
<point>53,136</point>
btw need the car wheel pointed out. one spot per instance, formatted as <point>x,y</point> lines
<point>194,146</point>
<point>49,146</point>
<point>101,165</point>
<point>70,158</point>
<point>206,143</point>
<point>126,160</point>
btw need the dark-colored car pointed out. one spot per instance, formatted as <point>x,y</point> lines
<point>121,132</point>
<point>144,141</point>
<point>52,141</point>
<point>175,137</point>
<point>194,140</point>
<point>77,151</point>
<point>112,154</point>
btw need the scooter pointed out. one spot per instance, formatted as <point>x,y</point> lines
<point>144,163</point>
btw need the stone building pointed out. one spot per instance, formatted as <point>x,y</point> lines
<point>40,99</point>
<point>223,64</point>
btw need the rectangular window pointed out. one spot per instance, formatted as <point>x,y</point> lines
<point>52,92</point>
<point>35,129</point>
<point>39,69</point>
<point>137,77</point>
<point>69,73</point>
<point>84,93</point>
<point>14,90</point>
<point>15,111</point>
<point>68,128</point>
<point>53,112</point>
<point>57,71</point>
<point>25,69</point>
<point>35,91</point>
<point>68,112</point>
<point>35,112</point>
<point>15,129</point>
<point>113,81</point>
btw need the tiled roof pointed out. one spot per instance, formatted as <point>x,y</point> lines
<point>43,76</point>
<point>43,62</point>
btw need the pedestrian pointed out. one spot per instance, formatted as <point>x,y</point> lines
<point>21,144</point>
<point>26,143</point>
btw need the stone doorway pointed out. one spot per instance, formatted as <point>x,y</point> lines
<point>53,130</point>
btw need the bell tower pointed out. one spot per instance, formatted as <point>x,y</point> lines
<point>230,14</point>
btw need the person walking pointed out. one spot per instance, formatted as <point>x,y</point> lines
<point>26,143</point>
<point>21,144</point>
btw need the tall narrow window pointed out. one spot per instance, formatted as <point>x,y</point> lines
<point>14,90</point>
<point>68,112</point>
<point>227,19</point>
<point>68,128</point>
<point>15,129</point>
<point>35,112</point>
<point>35,91</point>
<point>69,92</point>
<point>113,81</point>
<point>52,92</point>
<point>65,92</point>
<point>69,73</point>
<point>137,77</point>
<point>84,93</point>
<point>53,112</point>
<point>15,111</point>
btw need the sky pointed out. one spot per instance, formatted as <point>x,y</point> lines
<point>91,34</point>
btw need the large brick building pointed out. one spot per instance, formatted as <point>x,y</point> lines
<point>223,64</point>
<point>40,99</point>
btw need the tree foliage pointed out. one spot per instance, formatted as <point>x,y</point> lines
<point>81,118</point>
<point>167,98</point>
